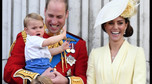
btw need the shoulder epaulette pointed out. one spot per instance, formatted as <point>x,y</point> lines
<point>24,35</point>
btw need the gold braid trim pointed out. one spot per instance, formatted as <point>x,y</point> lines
<point>62,62</point>
<point>56,44</point>
<point>75,80</point>
<point>24,74</point>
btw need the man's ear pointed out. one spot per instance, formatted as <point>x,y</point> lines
<point>45,12</point>
<point>67,14</point>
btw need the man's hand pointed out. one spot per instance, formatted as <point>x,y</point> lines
<point>59,78</point>
<point>48,73</point>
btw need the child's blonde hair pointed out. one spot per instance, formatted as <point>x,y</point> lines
<point>32,16</point>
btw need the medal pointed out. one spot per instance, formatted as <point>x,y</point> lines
<point>70,60</point>
<point>72,48</point>
<point>68,50</point>
<point>72,51</point>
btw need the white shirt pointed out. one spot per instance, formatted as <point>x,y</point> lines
<point>34,49</point>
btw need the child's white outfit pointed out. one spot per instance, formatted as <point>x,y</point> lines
<point>37,57</point>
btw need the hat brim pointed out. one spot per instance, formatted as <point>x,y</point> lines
<point>110,11</point>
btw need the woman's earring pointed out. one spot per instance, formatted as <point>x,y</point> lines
<point>125,31</point>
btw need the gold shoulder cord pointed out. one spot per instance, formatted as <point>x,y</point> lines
<point>24,35</point>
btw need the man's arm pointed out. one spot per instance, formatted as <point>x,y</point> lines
<point>15,62</point>
<point>14,72</point>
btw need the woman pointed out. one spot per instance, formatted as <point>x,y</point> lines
<point>118,62</point>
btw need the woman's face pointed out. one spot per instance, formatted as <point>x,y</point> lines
<point>116,28</point>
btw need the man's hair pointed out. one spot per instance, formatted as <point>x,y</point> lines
<point>65,1</point>
<point>32,16</point>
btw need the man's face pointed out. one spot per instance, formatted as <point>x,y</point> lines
<point>55,16</point>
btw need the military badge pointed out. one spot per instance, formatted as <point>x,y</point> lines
<point>70,60</point>
<point>72,51</point>
<point>68,50</point>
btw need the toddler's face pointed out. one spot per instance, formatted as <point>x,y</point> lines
<point>35,28</point>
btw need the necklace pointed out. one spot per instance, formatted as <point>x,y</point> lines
<point>113,57</point>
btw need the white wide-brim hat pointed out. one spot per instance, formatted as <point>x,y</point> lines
<point>110,11</point>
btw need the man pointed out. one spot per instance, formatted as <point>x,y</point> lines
<point>69,66</point>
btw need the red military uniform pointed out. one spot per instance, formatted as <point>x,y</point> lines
<point>72,64</point>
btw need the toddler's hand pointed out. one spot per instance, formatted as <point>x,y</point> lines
<point>63,31</point>
<point>65,45</point>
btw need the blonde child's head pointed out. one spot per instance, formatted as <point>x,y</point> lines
<point>32,16</point>
<point>33,25</point>
<point>41,80</point>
